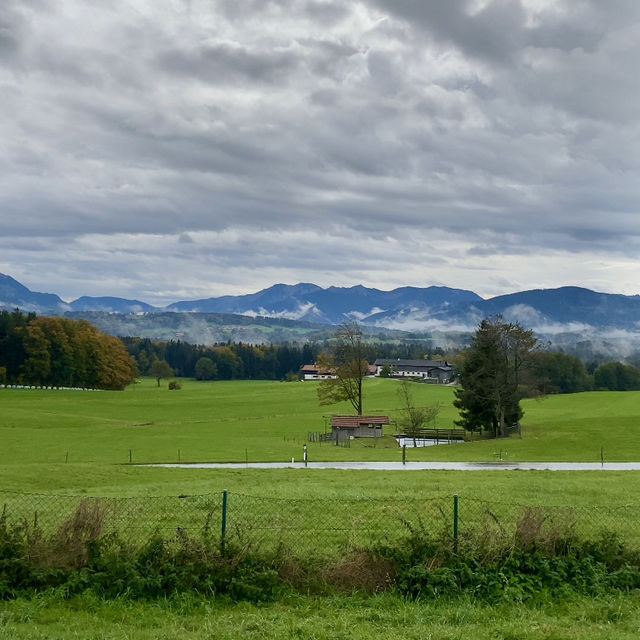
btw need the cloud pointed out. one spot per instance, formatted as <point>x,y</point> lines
<point>482,144</point>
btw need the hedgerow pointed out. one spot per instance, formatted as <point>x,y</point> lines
<point>77,558</point>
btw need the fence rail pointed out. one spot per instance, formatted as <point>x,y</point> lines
<point>311,526</point>
<point>340,438</point>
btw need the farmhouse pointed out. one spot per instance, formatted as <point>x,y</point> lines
<point>311,372</point>
<point>429,370</point>
<point>357,426</point>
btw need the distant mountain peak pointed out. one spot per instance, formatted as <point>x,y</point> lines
<point>14,294</point>
<point>551,311</point>
<point>110,304</point>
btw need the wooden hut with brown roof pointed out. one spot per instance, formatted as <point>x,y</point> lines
<point>358,426</point>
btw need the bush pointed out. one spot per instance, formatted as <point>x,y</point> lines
<point>532,564</point>
<point>174,385</point>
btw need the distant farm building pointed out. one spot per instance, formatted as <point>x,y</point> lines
<point>358,426</point>
<point>312,372</point>
<point>439,371</point>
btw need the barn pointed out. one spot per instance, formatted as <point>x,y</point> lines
<point>358,426</point>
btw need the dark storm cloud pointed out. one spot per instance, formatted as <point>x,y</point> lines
<point>492,32</point>
<point>499,30</point>
<point>222,64</point>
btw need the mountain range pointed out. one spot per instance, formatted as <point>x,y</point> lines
<point>565,310</point>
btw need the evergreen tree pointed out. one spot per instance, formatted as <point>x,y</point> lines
<point>493,376</point>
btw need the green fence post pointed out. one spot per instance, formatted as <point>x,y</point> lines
<point>455,523</point>
<point>223,531</point>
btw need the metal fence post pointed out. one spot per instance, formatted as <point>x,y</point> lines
<point>455,523</point>
<point>223,531</point>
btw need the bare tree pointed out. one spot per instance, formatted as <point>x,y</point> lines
<point>347,363</point>
<point>414,419</point>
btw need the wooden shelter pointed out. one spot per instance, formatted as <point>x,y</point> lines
<point>358,426</point>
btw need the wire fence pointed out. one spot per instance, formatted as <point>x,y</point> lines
<point>313,526</point>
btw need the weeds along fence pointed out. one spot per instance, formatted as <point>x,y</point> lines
<point>310,527</point>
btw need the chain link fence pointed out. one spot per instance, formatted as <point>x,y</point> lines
<point>313,526</point>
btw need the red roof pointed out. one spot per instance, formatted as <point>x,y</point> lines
<point>313,368</point>
<point>353,422</point>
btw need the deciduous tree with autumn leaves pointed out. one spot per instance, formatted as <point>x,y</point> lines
<point>41,350</point>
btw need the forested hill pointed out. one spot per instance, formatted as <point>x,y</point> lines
<point>206,328</point>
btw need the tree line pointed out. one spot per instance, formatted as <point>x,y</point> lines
<point>237,360</point>
<point>223,361</point>
<point>555,372</point>
<point>64,352</point>
<point>39,350</point>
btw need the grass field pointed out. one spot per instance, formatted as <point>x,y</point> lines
<point>81,441</point>
<point>78,443</point>
<point>266,421</point>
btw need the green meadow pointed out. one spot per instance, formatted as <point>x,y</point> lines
<point>232,421</point>
<point>82,442</point>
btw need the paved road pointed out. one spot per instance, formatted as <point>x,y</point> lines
<point>416,466</point>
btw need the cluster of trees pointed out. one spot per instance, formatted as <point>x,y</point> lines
<point>228,361</point>
<point>239,360</point>
<point>564,373</point>
<point>616,376</point>
<point>39,350</point>
<point>494,377</point>
<point>505,363</point>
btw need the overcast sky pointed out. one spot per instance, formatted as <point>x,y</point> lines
<point>167,150</point>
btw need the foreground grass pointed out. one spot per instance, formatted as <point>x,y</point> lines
<point>616,617</point>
